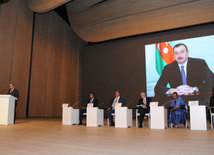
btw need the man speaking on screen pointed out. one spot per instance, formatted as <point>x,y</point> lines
<point>185,75</point>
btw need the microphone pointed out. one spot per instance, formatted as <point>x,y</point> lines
<point>3,90</point>
<point>167,103</point>
<point>75,103</point>
<point>101,104</point>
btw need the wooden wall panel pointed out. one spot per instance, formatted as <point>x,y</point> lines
<point>42,6</point>
<point>15,47</point>
<point>55,65</point>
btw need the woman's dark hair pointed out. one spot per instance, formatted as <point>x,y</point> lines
<point>175,93</point>
<point>92,93</point>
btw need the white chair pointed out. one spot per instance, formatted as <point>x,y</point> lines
<point>113,114</point>
<point>147,115</point>
<point>211,116</point>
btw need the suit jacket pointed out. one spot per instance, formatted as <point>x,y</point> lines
<point>95,102</point>
<point>198,75</point>
<point>14,93</point>
<point>212,101</point>
<point>121,100</point>
<point>148,100</point>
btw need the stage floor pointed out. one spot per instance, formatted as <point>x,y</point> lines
<point>49,136</point>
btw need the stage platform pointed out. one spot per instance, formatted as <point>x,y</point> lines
<point>50,137</point>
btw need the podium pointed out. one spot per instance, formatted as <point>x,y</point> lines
<point>94,117</point>
<point>70,116</point>
<point>198,119</point>
<point>123,117</point>
<point>158,117</point>
<point>7,108</point>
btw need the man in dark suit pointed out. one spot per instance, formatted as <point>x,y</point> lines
<point>143,107</point>
<point>185,75</point>
<point>111,108</point>
<point>92,100</point>
<point>212,100</point>
<point>14,92</point>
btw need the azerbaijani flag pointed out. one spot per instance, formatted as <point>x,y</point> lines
<point>164,55</point>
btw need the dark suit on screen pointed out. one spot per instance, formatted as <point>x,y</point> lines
<point>14,93</point>
<point>84,110</point>
<point>109,113</point>
<point>198,75</point>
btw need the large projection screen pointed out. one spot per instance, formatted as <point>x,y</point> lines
<point>160,59</point>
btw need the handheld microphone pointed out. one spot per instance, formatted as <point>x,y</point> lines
<point>3,90</point>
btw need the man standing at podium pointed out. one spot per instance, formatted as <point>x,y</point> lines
<point>92,100</point>
<point>112,105</point>
<point>14,92</point>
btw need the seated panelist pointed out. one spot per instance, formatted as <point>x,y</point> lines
<point>91,100</point>
<point>143,107</point>
<point>177,110</point>
<point>111,108</point>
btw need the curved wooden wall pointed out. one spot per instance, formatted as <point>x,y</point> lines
<point>42,6</point>
<point>121,18</point>
<point>98,20</point>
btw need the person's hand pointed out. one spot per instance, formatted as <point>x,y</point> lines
<point>108,108</point>
<point>186,90</point>
<point>183,90</point>
<point>176,107</point>
<point>144,106</point>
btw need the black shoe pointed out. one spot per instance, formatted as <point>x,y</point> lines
<point>80,123</point>
<point>84,124</point>
<point>140,125</point>
<point>174,125</point>
<point>112,124</point>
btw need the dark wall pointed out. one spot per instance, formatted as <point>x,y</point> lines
<point>120,64</point>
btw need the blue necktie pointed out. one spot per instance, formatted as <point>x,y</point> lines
<point>184,80</point>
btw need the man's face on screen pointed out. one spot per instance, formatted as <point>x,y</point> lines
<point>181,54</point>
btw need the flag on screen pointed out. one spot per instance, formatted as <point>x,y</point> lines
<point>164,55</point>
